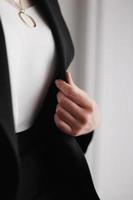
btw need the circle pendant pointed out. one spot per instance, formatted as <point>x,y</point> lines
<point>27,19</point>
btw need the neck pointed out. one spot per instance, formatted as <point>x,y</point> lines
<point>25,3</point>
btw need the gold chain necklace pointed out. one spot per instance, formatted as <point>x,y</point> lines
<point>27,19</point>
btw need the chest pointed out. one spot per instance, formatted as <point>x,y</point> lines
<point>31,60</point>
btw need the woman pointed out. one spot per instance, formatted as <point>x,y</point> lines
<point>46,121</point>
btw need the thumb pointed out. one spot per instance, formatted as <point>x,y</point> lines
<point>69,78</point>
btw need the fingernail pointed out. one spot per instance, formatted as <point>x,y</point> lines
<point>57,82</point>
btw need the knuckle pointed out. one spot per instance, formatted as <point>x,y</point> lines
<point>58,95</point>
<point>90,123</point>
<point>62,101</point>
<point>85,118</point>
<point>70,91</point>
<point>93,105</point>
<point>87,121</point>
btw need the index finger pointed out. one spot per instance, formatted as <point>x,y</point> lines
<point>75,94</point>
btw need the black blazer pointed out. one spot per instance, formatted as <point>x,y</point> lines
<point>67,171</point>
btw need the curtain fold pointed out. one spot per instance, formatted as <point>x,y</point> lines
<point>102,31</point>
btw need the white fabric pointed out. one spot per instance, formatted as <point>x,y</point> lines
<point>31,61</point>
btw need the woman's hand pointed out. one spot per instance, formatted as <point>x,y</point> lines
<point>76,114</point>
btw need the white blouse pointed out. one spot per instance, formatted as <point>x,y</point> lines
<point>31,60</point>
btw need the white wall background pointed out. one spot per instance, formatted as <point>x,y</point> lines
<point>102,31</point>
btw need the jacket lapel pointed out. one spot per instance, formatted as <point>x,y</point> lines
<point>6,117</point>
<point>49,9</point>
